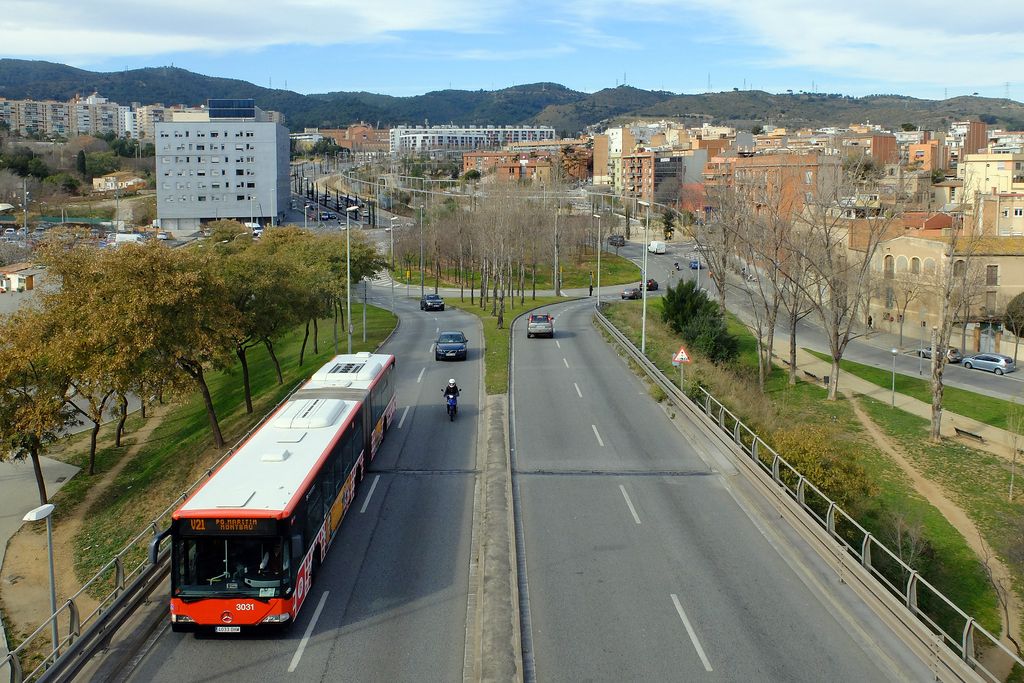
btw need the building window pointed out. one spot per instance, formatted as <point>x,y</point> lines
<point>239,171</point>
<point>991,276</point>
<point>240,197</point>
<point>959,268</point>
<point>1006,213</point>
<point>1017,213</point>
<point>888,266</point>
<point>915,265</point>
<point>890,297</point>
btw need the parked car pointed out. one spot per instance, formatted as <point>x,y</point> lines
<point>9,234</point>
<point>953,354</point>
<point>540,324</point>
<point>451,345</point>
<point>993,362</point>
<point>695,264</point>
<point>431,302</point>
<point>162,235</point>
<point>631,293</point>
<point>652,284</point>
<point>616,240</point>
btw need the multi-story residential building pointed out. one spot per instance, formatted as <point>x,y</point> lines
<point>928,156</point>
<point>362,140</point>
<point>993,266</point>
<point>1000,214</point>
<point>94,115</point>
<point>967,137</point>
<point>991,174</point>
<point>881,147</point>
<point>425,140</point>
<point>228,161</point>
<point>659,175</point>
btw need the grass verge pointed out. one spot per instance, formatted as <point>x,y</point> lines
<point>984,409</point>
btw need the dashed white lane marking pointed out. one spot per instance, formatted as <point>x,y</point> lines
<point>309,631</point>
<point>421,375</point>
<point>566,362</point>
<point>692,634</point>
<point>369,495</point>
<point>404,413</point>
<point>629,504</point>
<point>578,392</point>
<point>599,439</point>
<point>558,344</point>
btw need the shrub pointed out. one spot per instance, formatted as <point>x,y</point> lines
<point>812,451</point>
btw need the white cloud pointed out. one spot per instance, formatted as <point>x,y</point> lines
<point>911,41</point>
<point>75,31</point>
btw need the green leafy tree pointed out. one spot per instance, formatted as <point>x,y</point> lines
<point>65,181</point>
<point>80,161</point>
<point>700,321</point>
<point>100,163</point>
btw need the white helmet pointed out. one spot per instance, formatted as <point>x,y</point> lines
<point>451,382</point>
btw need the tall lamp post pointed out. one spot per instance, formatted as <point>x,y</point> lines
<point>600,244</point>
<point>421,252</point>
<point>40,513</point>
<point>305,211</point>
<point>643,284</point>
<point>894,352</point>
<point>392,229</point>
<point>348,273</point>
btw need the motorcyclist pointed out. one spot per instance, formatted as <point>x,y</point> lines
<point>451,389</point>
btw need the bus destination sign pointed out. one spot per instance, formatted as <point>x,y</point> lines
<point>217,526</point>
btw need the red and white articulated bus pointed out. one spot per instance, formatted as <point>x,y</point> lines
<point>248,542</point>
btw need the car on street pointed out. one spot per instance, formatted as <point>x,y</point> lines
<point>431,302</point>
<point>953,354</point>
<point>9,234</point>
<point>162,235</point>
<point>540,324</point>
<point>993,362</point>
<point>695,264</point>
<point>326,216</point>
<point>451,345</point>
<point>632,293</point>
<point>652,284</point>
<point>616,240</point>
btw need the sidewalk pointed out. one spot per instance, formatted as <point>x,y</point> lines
<point>996,441</point>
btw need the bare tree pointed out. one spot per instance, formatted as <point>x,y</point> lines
<point>840,229</point>
<point>904,288</point>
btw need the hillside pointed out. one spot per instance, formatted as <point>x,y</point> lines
<point>568,111</point>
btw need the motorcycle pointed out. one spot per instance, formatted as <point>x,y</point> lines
<point>453,406</point>
<point>676,264</point>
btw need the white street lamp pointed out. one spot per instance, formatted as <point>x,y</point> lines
<point>305,212</point>
<point>40,513</point>
<point>421,252</point>
<point>600,245</point>
<point>894,352</point>
<point>643,283</point>
<point>392,230</point>
<point>348,273</point>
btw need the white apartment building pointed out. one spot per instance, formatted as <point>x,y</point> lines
<point>423,140</point>
<point>226,162</point>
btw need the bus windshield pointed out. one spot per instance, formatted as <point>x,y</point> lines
<point>232,565</point>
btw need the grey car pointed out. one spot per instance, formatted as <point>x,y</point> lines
<point>540,324</point>
<point>993,362</point>
<point>953,354</point>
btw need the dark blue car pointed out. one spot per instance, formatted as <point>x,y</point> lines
<point>695,264</point>
<point>451,345</point>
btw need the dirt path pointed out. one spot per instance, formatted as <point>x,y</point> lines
<point>26,583</point>
<point>956,516</point>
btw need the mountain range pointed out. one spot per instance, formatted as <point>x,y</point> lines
<point>568,111</point>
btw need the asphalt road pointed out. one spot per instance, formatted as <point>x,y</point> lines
<point>394,586</point>
<point>641,564</point>
<point>874,350</point>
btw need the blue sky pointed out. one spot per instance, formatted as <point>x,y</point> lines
<point>927,49</point>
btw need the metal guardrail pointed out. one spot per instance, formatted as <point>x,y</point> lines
<point>131,574</point>
<point>925,602</point>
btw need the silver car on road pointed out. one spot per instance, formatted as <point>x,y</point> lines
<point>993,362</point>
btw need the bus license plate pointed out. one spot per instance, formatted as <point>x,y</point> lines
<point>227,629</point>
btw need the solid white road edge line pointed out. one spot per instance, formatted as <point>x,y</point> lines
<point>421,375</point>
<point>578,392</point>
<point>599,439</point>
<point>370,494</point>
<point>692,634</point>
<point>309,631</point>
<point>629,503</point>
<point>404,413</point>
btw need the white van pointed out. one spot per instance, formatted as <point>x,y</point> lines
<point>656,247</point>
